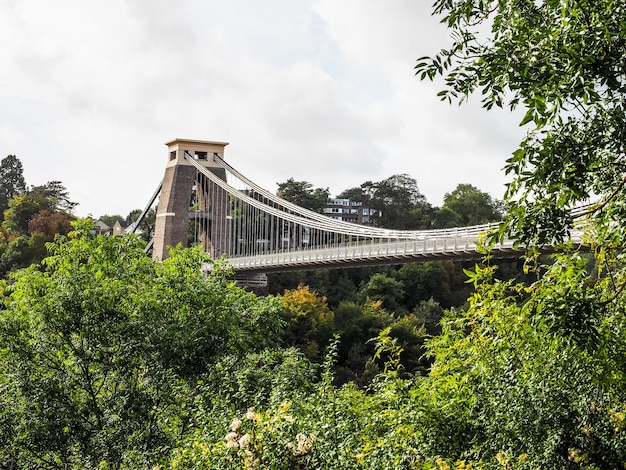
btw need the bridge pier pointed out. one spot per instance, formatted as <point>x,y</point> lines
<point>171,227</point>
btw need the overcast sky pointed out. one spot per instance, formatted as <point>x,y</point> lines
<point>318,90</point>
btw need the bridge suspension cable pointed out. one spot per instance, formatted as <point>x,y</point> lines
<point>257,226</point>
<point>340,225</point>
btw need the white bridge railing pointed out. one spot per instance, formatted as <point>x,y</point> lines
<point>377,252</point>
<point>464,247</point>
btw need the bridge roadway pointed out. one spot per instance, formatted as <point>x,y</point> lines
<point>457,244</point>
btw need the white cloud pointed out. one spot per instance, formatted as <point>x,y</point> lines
<point>317,90</point>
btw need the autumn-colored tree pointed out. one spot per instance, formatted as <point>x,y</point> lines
<point>50,223</point>
<point>309,321</point>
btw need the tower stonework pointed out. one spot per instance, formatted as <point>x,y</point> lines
<point>172,217</point>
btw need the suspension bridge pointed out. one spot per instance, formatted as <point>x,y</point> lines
<point>205,201</point>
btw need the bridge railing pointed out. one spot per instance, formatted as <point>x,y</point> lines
<point>387,251</point>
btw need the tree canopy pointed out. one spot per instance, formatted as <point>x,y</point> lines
<point>563,62</point>
<point>531,371</point>
<point>56,195</point>
<point>12,181</point>
<point>96,342</point>
<point>32,217</point>
<point>304,194</point>
<point>51,197</point>
<point>471,207</point>
<point>398,202</point>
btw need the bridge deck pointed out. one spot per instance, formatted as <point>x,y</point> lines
<point>387,252</point>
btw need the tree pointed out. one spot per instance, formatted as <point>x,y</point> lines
<point>383,288</point>
<point>33,218</point>
<point>304,195</point>
<point>132,216</point>
<point>563,62</point>
<point>50,224</point>
<point>398,202</point>
<point>473,206</point>
<point>97,343</point>
<point>22,208</point>
<point>423,281</point>
<point>12,181</point>
<point>444,217</point>
<point>354,194</point>
<point>530,372</point>
<point>22,251</point>
<point>56,195</point>
<point>51,197</point>
<point>147,225</point>
<point>309,321</point>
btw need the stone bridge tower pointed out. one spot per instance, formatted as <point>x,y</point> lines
<point>173,215</point>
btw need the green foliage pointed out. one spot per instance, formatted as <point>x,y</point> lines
<point>51,198</point>
<point>22,251</point>
<point>356,325</point>
<point>385,289</point>
<point>386,345</point>
<point>12,181</point>
<point>398,203</point>
<point>144,363</point>
<point>15,254</point>
<point>311,327</point>
<point>258,379</point>
<point>96,343</point>
<point>443,281</point>
<point>22,208</point>
<point>513,386</point>
<point>530,373</point>
<point>56,196</point>
<point>474,207</point>
<point>33,217</point>
<point>355,194</point>
<point>303,194</point>
<point>341,288</point>
<point>423,281</point>
<point>309,321</point>
<point>329,428</point>
<point>563,62</point>
<point>147,225</point>
<point>445,217</point>
<point>531,370</point>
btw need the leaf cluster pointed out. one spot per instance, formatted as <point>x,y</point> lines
<point>97,343</point>
<point>564,63</point>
